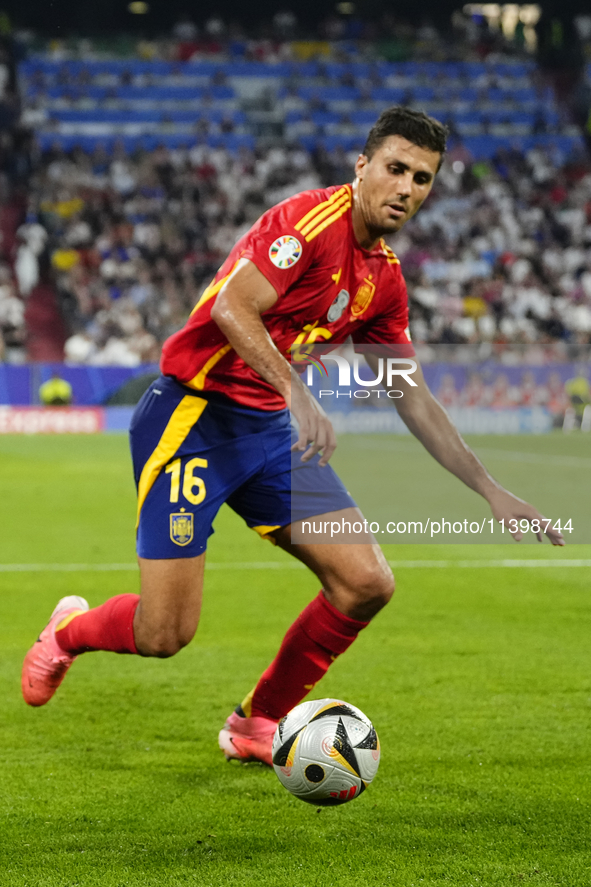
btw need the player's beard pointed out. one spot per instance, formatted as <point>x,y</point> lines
<point>383,225</point>
<point>377,221</point>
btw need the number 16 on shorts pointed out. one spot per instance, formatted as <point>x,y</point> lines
<point>194,490</point>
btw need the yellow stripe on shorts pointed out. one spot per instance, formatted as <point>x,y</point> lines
<point>265,532</point>
<point>180,423</point>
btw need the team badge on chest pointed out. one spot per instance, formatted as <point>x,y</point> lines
<point>338,306</point>
<point>181,528</point>
<point>363,297</point>
<point>285,251</point>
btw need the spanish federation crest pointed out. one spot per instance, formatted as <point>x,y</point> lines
<point>338,306</point>
<point>181,528</point>
<point>363,297</point>
<point>285,251</point>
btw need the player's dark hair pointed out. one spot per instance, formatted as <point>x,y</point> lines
<point>414,126</point>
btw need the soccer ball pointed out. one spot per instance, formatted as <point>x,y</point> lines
<point>326,752</point>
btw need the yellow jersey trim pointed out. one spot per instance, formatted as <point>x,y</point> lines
<point>180,423</point>
<point>321,206</point>
<point>325,212</point>
<point>212,290</point>
<point>392,257</point>
<point>329,221</point>
<point>198,381</point>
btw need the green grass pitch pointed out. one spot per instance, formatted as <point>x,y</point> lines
<point>477,679</point>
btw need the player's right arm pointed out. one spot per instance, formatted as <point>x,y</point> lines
<point>237,311</point>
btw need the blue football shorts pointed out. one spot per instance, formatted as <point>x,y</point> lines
<point>193,452</point>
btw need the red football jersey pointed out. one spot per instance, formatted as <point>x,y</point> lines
<point>329,289</point>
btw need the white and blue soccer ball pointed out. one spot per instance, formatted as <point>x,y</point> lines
<point>326,752</point>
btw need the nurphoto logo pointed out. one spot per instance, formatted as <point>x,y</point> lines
<point>389,371</point>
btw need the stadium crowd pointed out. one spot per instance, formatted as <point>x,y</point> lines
<point>342,33</point>
<point>501,253</point>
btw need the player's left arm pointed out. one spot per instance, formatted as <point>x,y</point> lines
<point>430,423</point>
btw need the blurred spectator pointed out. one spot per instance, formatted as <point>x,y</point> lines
<point>215,27</point>
<point>12,315</point>
<point>285,24</point>
<point>56,392</point>
<point>4,74</point>
<point>32,239</point>
<point>579,394</point>
<point>187,34</point>
<point>447,395</point>
<point>185,30</point>
<point>555,398</point>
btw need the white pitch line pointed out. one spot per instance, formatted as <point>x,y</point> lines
<point>475,565</point>
<point>296,565</point>
<point>92,568</point>
<point>64,568</point>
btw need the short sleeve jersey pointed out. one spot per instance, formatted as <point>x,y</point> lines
<point>329,290</point>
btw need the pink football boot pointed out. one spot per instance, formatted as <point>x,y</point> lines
<point>46,663</point>
<point>248,739</point>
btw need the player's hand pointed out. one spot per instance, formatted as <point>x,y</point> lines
<point>316,433</point>
<point>507,507</point>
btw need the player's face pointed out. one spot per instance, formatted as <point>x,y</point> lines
<point>392,186</point>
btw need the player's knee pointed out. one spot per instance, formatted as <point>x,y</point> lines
<point>364,594</point>
<point>164,644</point>
<point>376,586</point>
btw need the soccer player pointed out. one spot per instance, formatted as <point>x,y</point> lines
<point>216,428</point>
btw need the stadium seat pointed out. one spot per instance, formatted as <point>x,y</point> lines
<point>331,93</point>
<point>346,142</point>
<point>423,93</point>
<point>293,117</point>
<point>98,93</point>
<point>254,69</point>
<point>307,142</point>
<point>194,68</point>
<point>172,93</point>
<point>322,118</point>
<point>515,70</point>
<point>389,96</point>
<point>363,118</point>
<point>180,102</point>
<point>524,95</point>
<point>451,70</point>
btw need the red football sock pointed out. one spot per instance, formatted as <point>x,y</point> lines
<point>108,627</point>
<point>317,637</point>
